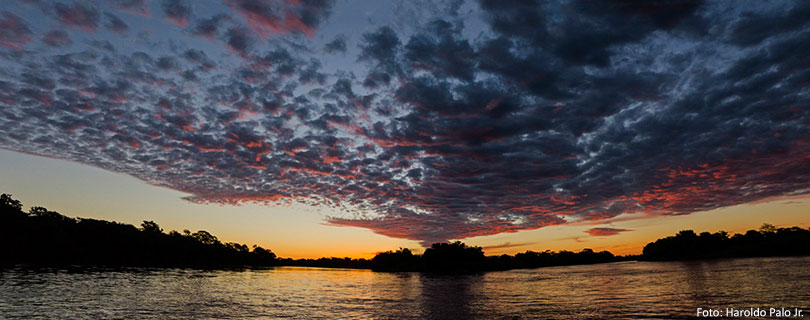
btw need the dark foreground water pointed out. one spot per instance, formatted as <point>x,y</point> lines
<point>616,290</point>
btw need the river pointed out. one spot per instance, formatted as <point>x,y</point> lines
<point>614,290</point>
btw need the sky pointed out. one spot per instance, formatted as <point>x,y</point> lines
<point>320,128</point>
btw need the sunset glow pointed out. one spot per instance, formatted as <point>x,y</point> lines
<point>323,128</point>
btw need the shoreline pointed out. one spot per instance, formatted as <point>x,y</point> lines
<point>114,268</point>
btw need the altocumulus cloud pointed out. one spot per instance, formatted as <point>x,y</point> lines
<point>512,116</point>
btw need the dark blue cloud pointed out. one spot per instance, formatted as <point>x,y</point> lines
<point>57,38</point>
<point>115,24</point>
<point>132,6</point>
<point>209,28</point>
<point>336,45</point>
<point>177,11</point>
<point>517,116</point>
<point>80,15</point>
<point>14,32</point>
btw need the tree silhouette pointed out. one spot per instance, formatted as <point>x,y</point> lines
<point>38,211</point>
<point>151,227</point>
<point>400,260</point>
<point>25,236</point>
<point>767,228</point>
<point>768,241</point>
<point>262,253</point>
<point>453,257</point>
<point>8,203</point>
<point>205,238</point>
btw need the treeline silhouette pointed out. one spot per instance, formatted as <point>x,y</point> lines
<point>768,241</point>
<point>333,262</point>
<point>42,237</point>
<point>457,257</point>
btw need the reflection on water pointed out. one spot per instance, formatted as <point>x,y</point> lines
<point>616,290</point>
<point>449,297</point>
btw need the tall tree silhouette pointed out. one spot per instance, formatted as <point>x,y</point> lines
<point>453,257</point>
<point>8,203</point>
<point>767,241</point>
<point>151,227</point>
<point>25,236</point>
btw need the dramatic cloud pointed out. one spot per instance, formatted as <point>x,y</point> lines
<point>516,116</point>
<point>115,24</point>
<point>336,45</point>
<point>57,38</point>
<point>132,6</point>
<point>270,16</point>
<point>209,27</point>
<point>80,15</point>
<point>14,32</point>
<point>177,11</point>
<point>239,40</point>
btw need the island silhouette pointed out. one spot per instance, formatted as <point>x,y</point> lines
<point>44,238</point>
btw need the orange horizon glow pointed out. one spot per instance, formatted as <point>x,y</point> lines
<point>297,231</point>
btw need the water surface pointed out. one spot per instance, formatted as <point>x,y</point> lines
<point>614,290</point>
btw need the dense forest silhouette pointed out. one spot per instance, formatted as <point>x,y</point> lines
<point>457,257</point>
<point>765,242</point>
<point>41,237</point>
